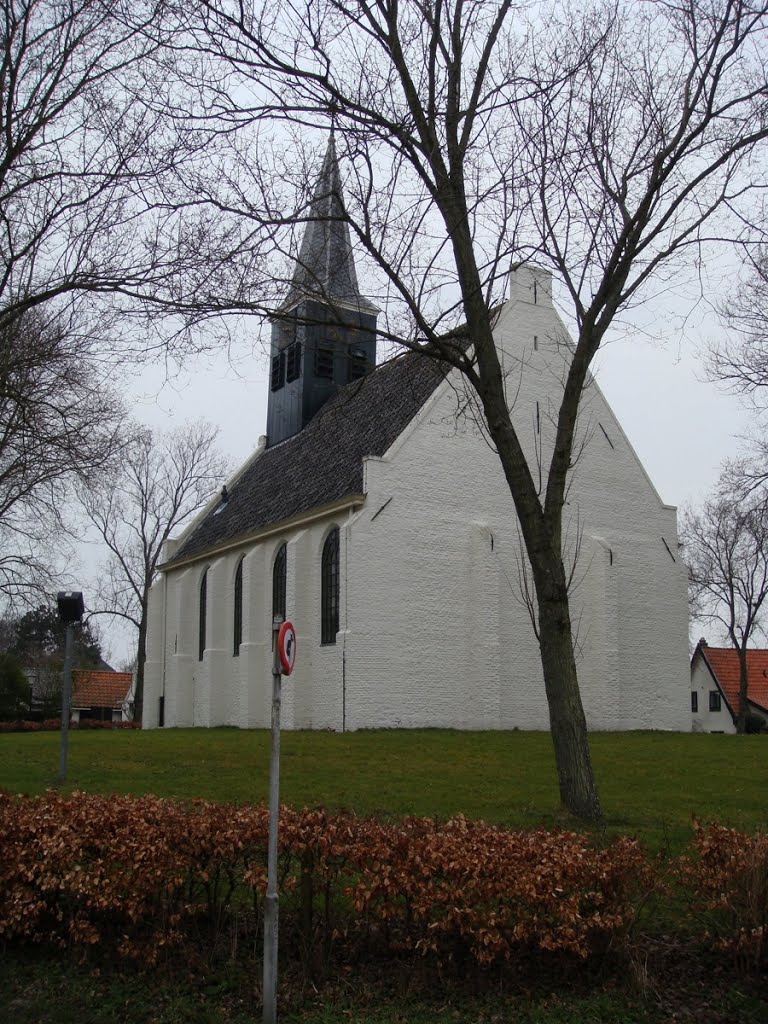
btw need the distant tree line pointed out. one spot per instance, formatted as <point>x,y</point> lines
<point>32,661</point>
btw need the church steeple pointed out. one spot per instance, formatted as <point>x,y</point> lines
<point>325,268</point>
<point>324,334</point>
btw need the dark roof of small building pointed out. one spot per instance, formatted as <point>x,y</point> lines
<point>324,462</point>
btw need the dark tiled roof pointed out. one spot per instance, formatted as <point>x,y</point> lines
<point>324,462</point>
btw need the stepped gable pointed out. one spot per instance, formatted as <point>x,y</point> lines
<point>324,462</point>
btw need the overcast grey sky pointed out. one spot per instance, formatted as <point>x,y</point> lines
<point>681,425</point>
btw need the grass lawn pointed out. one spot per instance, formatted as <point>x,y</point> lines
<point>650,783</point>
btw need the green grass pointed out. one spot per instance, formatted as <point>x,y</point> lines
<point>38,987</point>
<point>651,784</point>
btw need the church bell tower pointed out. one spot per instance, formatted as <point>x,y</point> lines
<point>324,334</point>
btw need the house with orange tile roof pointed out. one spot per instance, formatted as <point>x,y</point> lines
<point>715,687</point>
<point>104,696</point>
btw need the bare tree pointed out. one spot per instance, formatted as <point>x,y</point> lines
<point>613,143</point>
<point>59,424</point>
<point>88,141</point>
<point>726,548</point>
<point>741,359</point>
<point>73,151</point>
<point>159,483</point>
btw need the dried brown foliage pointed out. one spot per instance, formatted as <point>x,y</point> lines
<point>726,879</point>
<point>145,877</point>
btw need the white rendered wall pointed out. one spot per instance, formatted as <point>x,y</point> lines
<point>438,634</point>
<point>225,688</point>
<point>705,720</point>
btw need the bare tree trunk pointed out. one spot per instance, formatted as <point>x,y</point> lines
<point>568,724</point>
<point>542,530</point>
<point>741,717</point>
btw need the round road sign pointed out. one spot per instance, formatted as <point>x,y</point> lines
<point>286,646</point>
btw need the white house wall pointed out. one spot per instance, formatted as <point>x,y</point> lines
<point>433,630</point>
<point>704,720</point>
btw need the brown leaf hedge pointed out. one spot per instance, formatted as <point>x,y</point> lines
<point>143,877</point>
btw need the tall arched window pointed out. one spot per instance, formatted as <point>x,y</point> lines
<point>329,588</point>
<point>203,614</point>
<point>237,618</point>
<point>279,577</point>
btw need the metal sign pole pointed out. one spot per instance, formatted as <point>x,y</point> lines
<point>271,902</point>
<point>66,703</point>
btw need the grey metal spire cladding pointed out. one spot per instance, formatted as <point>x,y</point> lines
<point>325,269</point>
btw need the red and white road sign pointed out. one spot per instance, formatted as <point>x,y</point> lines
<point>286,646</point>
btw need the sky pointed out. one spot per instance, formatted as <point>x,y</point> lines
<point>681,425</point>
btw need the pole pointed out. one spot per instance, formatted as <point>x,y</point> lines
<point>66,704</point>
<point>271,902</point>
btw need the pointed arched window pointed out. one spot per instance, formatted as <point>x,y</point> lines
<point>237,617</point>
<point>279,577</point>
<point>203,615</point>
<point>329,588</point>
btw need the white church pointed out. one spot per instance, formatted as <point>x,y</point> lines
<point>375,516</point>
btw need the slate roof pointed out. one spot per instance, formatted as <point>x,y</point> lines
<point>325,268</point>
<point>94,689</point>
<point>724,665</point>
<point>324,462</point>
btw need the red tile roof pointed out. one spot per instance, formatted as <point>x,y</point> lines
<point>92,689</point>
<point>724,663</point>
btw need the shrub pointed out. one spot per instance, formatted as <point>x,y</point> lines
<point>54,724</point>
<point>726,880</point>
<point>144,874</point>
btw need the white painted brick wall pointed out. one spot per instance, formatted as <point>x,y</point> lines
<point>705,720</point>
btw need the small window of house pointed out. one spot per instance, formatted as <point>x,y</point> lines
<point>293,364</point>
<point>237,618</point>
<point>278,371</point>
<point>694,701</point>
<point>329,588</point>
<point>714,700</point>
<point>324,363</point>
<point>202,623</point>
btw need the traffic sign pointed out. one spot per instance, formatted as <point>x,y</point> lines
<point>286,646</point>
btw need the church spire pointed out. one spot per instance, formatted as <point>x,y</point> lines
<point>325,268</point>
<point>324,335</point>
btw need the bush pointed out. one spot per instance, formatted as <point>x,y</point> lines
<point>140,877</point>
<point>726,880</point>
<point>15,691</point>
<point>143,874</point>
<point>54,724</point>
